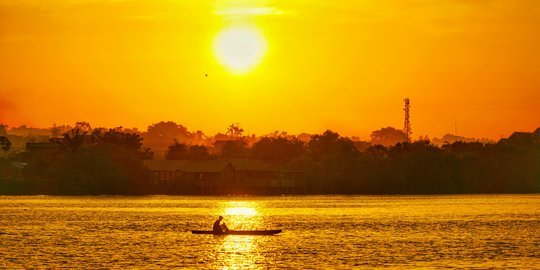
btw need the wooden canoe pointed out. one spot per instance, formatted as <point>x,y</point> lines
<point>233,232</point>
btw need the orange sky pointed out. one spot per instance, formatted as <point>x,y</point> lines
<point>344,65</point>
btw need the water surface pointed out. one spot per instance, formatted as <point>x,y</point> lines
<point>475,231</point>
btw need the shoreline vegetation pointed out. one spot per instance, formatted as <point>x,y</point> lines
<point>167,159</point>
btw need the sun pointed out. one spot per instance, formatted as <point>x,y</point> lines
<point>240,48</point>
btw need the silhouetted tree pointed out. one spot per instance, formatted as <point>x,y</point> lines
<point>331,145</point>
<point>75,138</point>
<point>277,149</point>
<point>198,137</point>
<point>98,169</point>
<point>3,129</point>
<point>25,131</point>
<point>235,131</point>
<point>234,149</point>
<point>420,166</point>
<point>177,151</point>
<point>334,160</point>
<point>119,137</point>
<point>104,162</point>
<point>167,131</point>
<point>55,131</point>
<point>198,152</point>
<point>101,161</point>
<point>388,136</point>
<point>5,144</point>
<point>83,126</point>
<point>277,134</point>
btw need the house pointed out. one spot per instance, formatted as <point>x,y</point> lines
<point>164,171</point>
<point>252,176</point>
<point>259,177</point>
<point>210,176</point>
<point>522,138</point>
<point>234,176</point>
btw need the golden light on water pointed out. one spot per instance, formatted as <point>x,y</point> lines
<point>240,48</point>
<point>242,215</point>
<point>241,251</point>
<point>240,208</point>
<point>241,211</point>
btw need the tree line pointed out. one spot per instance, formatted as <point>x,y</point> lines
<point>83,161</point>
<point>110,161</point>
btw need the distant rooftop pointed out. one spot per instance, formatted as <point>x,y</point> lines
<point>209,165</point>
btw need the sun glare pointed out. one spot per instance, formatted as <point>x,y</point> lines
<point>240,211</point>
<point>240,48</point>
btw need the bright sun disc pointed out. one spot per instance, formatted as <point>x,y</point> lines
<point>240,48</point>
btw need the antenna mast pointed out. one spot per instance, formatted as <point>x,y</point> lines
<point>407,127</point>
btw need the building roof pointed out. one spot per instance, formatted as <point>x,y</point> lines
<point>209,165</point>
<point>165,165</point>
<point>522,138</point>
<point>251,165</point>
<point>187,165</point>
<point>205,166</point>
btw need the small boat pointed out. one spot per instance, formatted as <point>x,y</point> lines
<point>233,232</point>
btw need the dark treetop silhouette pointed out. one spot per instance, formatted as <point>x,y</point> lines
<point>116,161</point>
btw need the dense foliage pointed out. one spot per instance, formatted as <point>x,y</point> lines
<point>334,166</point>
<point>111,162</point>
<point>101,162</point>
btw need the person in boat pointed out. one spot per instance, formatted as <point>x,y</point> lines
<point>219,228</point>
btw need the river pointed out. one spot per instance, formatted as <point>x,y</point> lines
<point>468,231</point>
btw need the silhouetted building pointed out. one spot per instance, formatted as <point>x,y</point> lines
<point>210,176</point>
<point>164,171</point>
<point>259,177</point>
<point>234,176</point>
<point>522,138</point>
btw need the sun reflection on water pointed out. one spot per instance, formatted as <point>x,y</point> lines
<point>241,215</point>
<point>240,251</point>
<point>241,211</point>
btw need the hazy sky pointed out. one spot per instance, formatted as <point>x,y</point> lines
<point>344,65</point>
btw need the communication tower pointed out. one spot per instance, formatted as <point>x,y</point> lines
<point>407,126</point>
